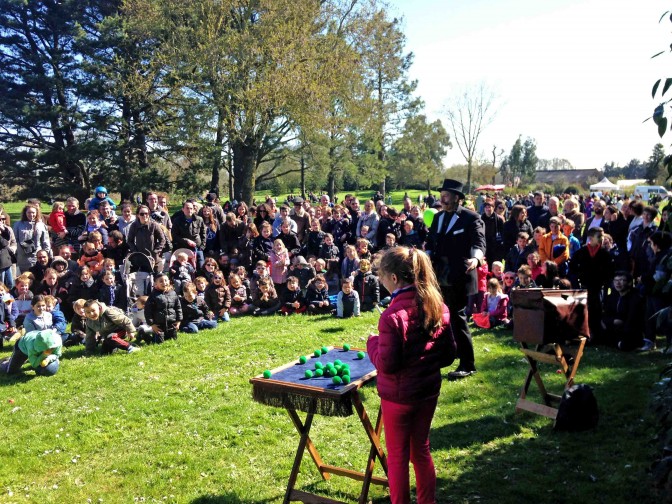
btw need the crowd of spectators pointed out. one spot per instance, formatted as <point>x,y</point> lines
<point>212,262</point>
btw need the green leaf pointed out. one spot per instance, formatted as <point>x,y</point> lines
<point>655,88</point>
<point>662,126</point>
<point>668,83</point>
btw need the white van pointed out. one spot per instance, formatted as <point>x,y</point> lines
<point>646,191</point>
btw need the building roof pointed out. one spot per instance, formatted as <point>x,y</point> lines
<point>568,177</point>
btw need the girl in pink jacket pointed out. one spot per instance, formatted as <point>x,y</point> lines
<point>414,342</point>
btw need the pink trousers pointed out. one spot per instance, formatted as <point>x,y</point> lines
<point>407,439</point>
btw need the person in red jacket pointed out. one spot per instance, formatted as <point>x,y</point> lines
<point>414,342</point>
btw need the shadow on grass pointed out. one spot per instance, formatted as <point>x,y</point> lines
<point>26,374</point>
<point>330,330</point>
<point>229,498</point>
<point>466,434</point>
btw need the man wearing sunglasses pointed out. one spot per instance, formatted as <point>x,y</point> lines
<point>145,236</point>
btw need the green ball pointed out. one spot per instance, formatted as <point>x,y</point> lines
<point>345,371</point>
<point>346,347</point>
<point>303,359</point>
<point>324,350</point>
<point>360,355</point>
<point>308,373</point>
<point>317,353</point>
<point>337,380</point>
<point>267,373</point>
<point>319,372</point>
<point>346,379</point>
<point>319,365</point>
<point>337,362</point>
<point>338,367</point>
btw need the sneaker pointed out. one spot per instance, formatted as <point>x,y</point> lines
<point>132,349</point>
<point>648,345</point>
<point>226,317</point>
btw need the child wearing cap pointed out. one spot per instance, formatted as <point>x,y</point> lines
<point>303,270</point>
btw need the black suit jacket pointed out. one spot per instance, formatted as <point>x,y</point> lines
<point>452,248</point>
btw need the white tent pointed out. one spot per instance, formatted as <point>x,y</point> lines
<point>604,185</point>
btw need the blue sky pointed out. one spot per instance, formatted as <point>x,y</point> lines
<point>574,75</point>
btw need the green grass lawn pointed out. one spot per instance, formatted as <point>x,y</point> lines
<point>176,423</point>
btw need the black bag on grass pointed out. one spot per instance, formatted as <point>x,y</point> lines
<point>578,410</point>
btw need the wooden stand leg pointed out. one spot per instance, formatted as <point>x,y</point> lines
<point>558,357</point>
<point>304,430</point>
<point>376,446</point>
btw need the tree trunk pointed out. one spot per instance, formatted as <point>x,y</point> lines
<point>217,153</point>
<point>244,167</point>
<point>303,176</point>
<point>468,187</point>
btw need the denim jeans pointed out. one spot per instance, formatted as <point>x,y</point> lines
<point>194,327</point>
<point>6,277</point>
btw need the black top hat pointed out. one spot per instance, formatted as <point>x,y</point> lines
<point>453,186</point>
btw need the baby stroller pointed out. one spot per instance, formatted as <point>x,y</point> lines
<point>138,275</point>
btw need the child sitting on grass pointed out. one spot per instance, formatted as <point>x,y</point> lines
<point>317,297</point>
<point>218,297</point>
<point>78,325</point>
<point>265,300</point>
<point>347,303</point>
<point>112,294</point>
<point>57,317</point>
<point>241,298</point>
<point>110,326</point>
<point>201,284</point>
<point>41,349</point>
<point>39,318</point>
<point>367,286</point>
<point>196,315</point>
<point>494,310</point>
<point>292,301</point>
<point>163,311</point>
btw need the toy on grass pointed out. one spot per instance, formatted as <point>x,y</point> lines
<point>324,350</point>
<point>337,380</point>
<point>360,355</point>
<point>267,373</point>
<point>308,373</point>
<point>303,359</point>
<point>346,347</point>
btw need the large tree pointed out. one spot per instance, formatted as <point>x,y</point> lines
<point>44,135</point>
<point>386,65</point>
<point>265,67</point>
<point>417,156</point>
<point>522,162</point>
<point>469,112</point>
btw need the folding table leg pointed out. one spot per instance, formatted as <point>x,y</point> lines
<point>371,461</point>
<point>309,444</point>
<point>305,431</point>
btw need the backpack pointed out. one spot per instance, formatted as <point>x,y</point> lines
<point>578,410</point>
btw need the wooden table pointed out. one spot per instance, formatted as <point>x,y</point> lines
<point>289,389</point>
